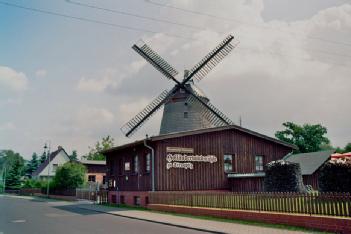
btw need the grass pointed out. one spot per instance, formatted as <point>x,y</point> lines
<point>210,218</point>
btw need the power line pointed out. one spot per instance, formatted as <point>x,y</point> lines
<point>242,22</point>
<point>134,15</point>
<point>88,20</point>
<point>132,28</point>
<point>176,23</point>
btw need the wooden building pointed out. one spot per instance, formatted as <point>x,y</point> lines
<point>96,171</point>
<point>229,158</point>
<point>310,164</point>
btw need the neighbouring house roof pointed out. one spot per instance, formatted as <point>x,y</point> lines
<point>310,162</point>
<point>46,162</point>
<point>202,131</point>
<point>92,162</point>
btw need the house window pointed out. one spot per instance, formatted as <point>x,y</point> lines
<point>137,201</point>
<point>147,162</point>
<point>136,164</point>
<point>104,180</point>
<point>91,178</point>
<point>186,114</point>
<point>259,163</point>
<point>54,167</point>
<point>228,163</point>
<point>127,166</point>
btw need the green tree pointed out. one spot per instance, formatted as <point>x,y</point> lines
<point>95,153</point>
<point>347,148</point>
<point>33,164</point>
<point>70,175</point>
<point>13,177</point>
<point>73,156</point>
<point>42,157</point>
<point>307,137</point>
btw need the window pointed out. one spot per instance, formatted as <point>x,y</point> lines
<point>54,167</point>
<point>136,200</point>
<point>259,163</point>
<point>186,114</point>
<point>228,163</point>
<point>103,179</point>
<point>147,162</point>
<point>127,166</point>
<point>136,164</point>
<point>181,91</point>
<point>91,178</point>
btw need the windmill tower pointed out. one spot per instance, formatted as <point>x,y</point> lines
<point>186,107</point>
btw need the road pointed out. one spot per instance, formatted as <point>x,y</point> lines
<point>38,216</point>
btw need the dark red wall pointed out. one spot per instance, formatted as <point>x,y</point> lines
<point>204,176</point>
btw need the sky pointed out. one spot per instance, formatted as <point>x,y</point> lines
<point>69,77</point>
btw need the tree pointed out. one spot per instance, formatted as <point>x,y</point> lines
<point>70,175</point>
<point>95,153</point>
<point>308,137</point>
<point>347,148</point>
<point>43,157</point>
<point>13,177</point>
<point>73,156</point>
<point>33,164</point>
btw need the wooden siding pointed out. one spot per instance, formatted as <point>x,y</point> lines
<point>204,176</point>
<point>129,180</point>
<point>311,180</point>
<point>247,184</point>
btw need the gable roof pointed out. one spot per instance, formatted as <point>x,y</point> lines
<point>310,162</point>
<point>202,131</point>
<point>46,162</point>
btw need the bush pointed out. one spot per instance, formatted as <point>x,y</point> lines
<point>32,183</point>
<point>283,176</point>
<point>70,176</point>
<point>335,176</point>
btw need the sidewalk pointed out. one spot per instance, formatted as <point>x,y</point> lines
<point>187,222</point>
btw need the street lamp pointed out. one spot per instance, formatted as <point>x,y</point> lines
<point>48,182</point>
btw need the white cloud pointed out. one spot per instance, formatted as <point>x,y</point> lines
<point>7,126</point>
<point>108,79</point>
<point>41,73</point>
<point>12,80</point>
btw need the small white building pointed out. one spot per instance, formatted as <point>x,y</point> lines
<point>48,170</point>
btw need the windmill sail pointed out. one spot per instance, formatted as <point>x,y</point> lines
<point>213,58</point>
<point>135,123</point>
<point>155,60</point>
<point>209,111</point>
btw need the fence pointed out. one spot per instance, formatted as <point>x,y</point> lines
<point>100,197</point>
<point>331,204</point>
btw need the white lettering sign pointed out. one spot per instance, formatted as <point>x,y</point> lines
<point>186,161</point>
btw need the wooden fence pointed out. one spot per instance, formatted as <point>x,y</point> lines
<point>100,196</point>
<point>331,204</point>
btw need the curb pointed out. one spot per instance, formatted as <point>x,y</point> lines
<point>158,222</point>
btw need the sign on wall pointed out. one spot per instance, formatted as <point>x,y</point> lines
<point>184,158</point>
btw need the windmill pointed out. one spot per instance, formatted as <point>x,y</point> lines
<point>185,105</point>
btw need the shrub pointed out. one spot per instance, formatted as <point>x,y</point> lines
<point>283,176</point>
<point>335,176</point>
<point>32,183</point>
<point>70,176</point>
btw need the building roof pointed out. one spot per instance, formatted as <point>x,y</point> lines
<point>310,162</point>
<point>92,162</point>
<point>46,162</point>
<point>201,131</point>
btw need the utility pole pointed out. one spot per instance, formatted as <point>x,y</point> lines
<point>48,179</point>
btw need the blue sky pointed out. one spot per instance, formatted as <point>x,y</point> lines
<point>73,82</point>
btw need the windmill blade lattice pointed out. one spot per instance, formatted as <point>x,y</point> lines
<point>155,60</point>
<point>208,112</point>
<point>201,69</point>
<point>135,123</point>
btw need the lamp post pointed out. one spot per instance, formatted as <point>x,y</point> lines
<point>48,179</point>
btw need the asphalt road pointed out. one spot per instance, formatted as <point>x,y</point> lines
<point>37,216</point>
